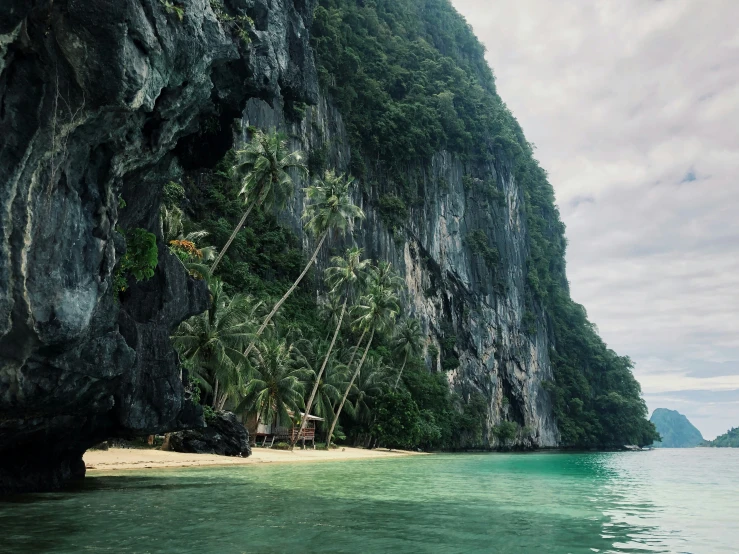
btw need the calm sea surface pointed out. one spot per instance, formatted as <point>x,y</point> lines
<point>660,501</point>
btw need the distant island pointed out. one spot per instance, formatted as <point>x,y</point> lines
<point>675,429</point>
<point>730,439</point>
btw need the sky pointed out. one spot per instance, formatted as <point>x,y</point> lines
<point>633,106</point>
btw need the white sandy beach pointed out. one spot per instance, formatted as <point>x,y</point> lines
<point>130,458</point>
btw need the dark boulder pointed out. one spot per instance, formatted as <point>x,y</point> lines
<point>224,435</point>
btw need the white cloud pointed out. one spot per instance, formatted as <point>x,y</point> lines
<point>624,100</point>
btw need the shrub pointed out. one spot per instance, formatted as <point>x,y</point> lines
<point>477,242</point>
<point>393,211</point>
<point>209,413</point>
<point>397,420</point>
<point>139,261</point>
<point>173,194</point>
<point>506,431</point>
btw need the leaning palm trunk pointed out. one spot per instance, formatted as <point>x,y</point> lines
<point>401,371</point>
<point>356,349</point>
<point>287,294</point>
<point>233,236</point>
<point>346,393</point>
<point>312,397</point>
<point>215,395</point>
<point>222,402</point>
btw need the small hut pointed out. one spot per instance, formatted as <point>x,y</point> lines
<point>269,434</point>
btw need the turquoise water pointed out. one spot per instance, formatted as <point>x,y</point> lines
<point>660,501</point>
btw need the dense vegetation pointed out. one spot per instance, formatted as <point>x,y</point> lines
<point>730,439</point>
<point>348,373</point>
<point>675,429</point>
<point>410,78</point>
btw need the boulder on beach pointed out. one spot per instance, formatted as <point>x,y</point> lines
<point>224,435</point>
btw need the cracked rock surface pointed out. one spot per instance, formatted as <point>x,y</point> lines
<point>103,101</point>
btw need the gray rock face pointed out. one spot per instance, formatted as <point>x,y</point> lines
<point>452,290</point>
<point>101,100</point>
<point>223,435</point>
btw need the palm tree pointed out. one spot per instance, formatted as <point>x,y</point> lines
<point>408,340</point>
<point>326,383</point>
<point>186,246</point>
<point>383,275</point>
<point>213,342</point>
<point>369,384</point>
<point>274,388</point>
<point>331,209</point>
<point>375,312</point>
<point>329,310</point>
<point>265,163</point>
<point>343,276</point>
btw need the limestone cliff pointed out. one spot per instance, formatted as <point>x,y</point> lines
<point>98,99</point>
<point>102,102</point>
<point>451,289</point>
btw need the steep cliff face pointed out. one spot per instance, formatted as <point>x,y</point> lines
<point>101,103</point>
<point>472,309</point>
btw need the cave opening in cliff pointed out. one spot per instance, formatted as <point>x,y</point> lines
<point>207,147</point>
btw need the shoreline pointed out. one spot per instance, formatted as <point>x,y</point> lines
<point>122,459</point>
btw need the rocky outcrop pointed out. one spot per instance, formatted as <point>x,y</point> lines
<point>101,103</point>
<point>472,305</point>
<point>223,434</point>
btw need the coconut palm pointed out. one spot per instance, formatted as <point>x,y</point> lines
<point>326,384</point>
<point>376,312</point>
<point>342,277</point>
<point>408,340</point>
<point>213,342</point>
<point>266,165</point>
<point>274,388</point>
<point>329,310</point>
<point>330,209</point>
<point>382,275</point>
<point>369,384</point>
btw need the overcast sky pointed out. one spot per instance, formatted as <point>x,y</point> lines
<point>634,108</point>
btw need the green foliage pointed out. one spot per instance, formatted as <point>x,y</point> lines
<point>477,242</point>
<point>450,363</point>
<point>410,79</point>
<point>139,261</point>
<point>330,207</point>
<point>409,76</point>
<point>239,25</point>
<point>730,439</point>
<point>317,160</point>
<point>276,383</point>
<point>212,343</point>
<point>209,413</point>
<point>264,257</point>
<point>193,387</point>
<point>433,351</point>
<point>173,9</point>
<point>397,420</point>
<point>393,211</point>
<point>506,431</point>
<point>173,195</point>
